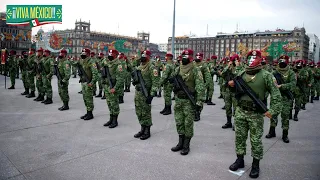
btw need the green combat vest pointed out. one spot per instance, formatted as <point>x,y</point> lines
<point>86,65</point>
<point>256,83</point>
<point>189,81</point>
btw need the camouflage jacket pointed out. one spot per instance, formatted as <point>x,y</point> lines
<point>64,69</point>
<point>167,72</point>
<point>117,73</point>
<point>150,76</point>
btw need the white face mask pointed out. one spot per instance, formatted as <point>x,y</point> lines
<point>251,60</point>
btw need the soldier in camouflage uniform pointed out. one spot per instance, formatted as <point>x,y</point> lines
<point>12,65</point>
<point>124,64</point>
<point>99,66</point>
<point>248,116</point>
<point>64,69</point>
<point>221,82</point>
<point>47,73</point>
<point>265,65</point>
<point>289,78</point>
<point>316,75</point>
<point>127,74</point>
<point>73,67</point>
<point>117,74</point>
<point>31,73</point>
<point>184,110</point>
<point>94,86</point>
<point>212,65</point>
<point>168,71</point>
<point>39,71</point>
<point>312,84</point>
<point>306,86</point>
<point>23,63</point>
<point>151,78</point>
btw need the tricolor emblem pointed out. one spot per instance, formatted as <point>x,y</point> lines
<point>34,23</point>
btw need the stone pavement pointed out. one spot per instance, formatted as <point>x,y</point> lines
<point>40,142</point>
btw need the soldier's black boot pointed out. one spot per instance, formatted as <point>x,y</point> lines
<point>44,100</point>
<point>209,102</point>
<point>139,134</point>
<point>31,95</point>
<point>65,106</point>
<point>228,124</point>
<point>26,91</point>
<point>254,173</point>
<point>146,133</point>
<point>163,110</point>
<point>179,146</point>
<point>290,115</point>
<point>295,116</point>
<point>285,136</point>
<point>80,92</point>
<point>11,87</point>
<point>100,93</point>
<point>114,122</point>
<point>206,100</point>
<point>121,100</point>
<point>311,99</point>
<point>186,146</point>
<point>303,107</point>
<point>82,117</point>
<point>41,98</point>
<point>104,96</point>
<point>94,93</point>
<point>220,97</point>
<point>173,98</point>
<point>272,133</point>
<point>89,116</point>
<point>197,116</point>
<point>224,107</point>
<point>48,101</point>
<point>159,94</point>
<point>109,122</point>
<point>239,163</point>
<point>233,128</point>
<point>316,98</point>
<point>75,76</point>
<point>36,99</point>
<point>168,110</point>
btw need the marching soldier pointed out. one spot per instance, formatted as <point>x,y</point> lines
<point>12,65</point>
<point>123,63</point>
<point>99,66</point>
<point>48,65</point>
<point>128,74</point>
<point>286,82</point>
<point>39,72</point>
<point>23,64</point>
<point>248,115</point>
<point>31,72</point>
<point>184,109</point>
<point>89,76</point>
<point>150,78</point>
<point>168,71</point>
<point>113,74</point>
<point>64,70</point>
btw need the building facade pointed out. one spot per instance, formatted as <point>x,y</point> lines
<point>16,38</point>
<point>314,48</point>
<point>294,43</point>
<point>163,47</point>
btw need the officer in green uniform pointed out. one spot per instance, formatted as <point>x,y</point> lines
<point>124,64</point>
<point>127,75</point>
<point>158,65</point>
<point>151,79</point>
<point>22,64</point>
<point>31,72</point>
<point>12,65</point>
<point>93,59</point>
<point>99,66</point>
<point>317,82</point>
<point>286,89</point>
<point>47,73</point>
<point>306,85</point>
<point>212,68</point>
<point>312,83</point>
<point>73,67</point>
<point>88,78</point>
<point>116,77</point>
<point>64,68</point>
<point>184,110</point>
<point>167,72</point>
<point>248,116</point>
<point>221,82</point>
<point>39,72</point>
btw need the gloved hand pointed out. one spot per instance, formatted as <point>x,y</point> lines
<point>149,99</point>
<point>198,108</point>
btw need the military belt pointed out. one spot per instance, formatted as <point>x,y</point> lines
<point>247,105</point>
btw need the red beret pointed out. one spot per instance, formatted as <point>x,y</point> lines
<point>92,53</point>
<point>32,50</point>
<point>47,51</point>
<point>199,54</point>
<point>188,52</point>
<point>100,54</point>
<point>254,53</point>
<point>169,55</point>
<point>125,57</point>
<point>318,63</point>
<point>113,52</point>
<point>122,54</point>
<point>214,57</point>
<point>63,51</point>
<point>13,52</point>
<point>86,50</point>
<point>284,57</point>
<point>208,59</point>
<point>146,52</point>
<point>311,63</point>
<point>40,50</point>
<point>235,57</point>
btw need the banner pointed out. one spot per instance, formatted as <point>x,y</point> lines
<point>4,55</point>
<point>33,15</point>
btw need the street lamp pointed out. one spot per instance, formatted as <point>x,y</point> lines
<point>173,28</point>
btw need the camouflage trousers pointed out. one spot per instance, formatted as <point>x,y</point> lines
<point>210,89</point>
<point>87,96</point>
<point>184,113</point>
<point>249,121</point>
<point>128,80</point>
<point>222,90</point>
<point>167,90</point>
<point>317,88</point>
<point>63,91</point>
<point>24,79</point>
<point>121,93</point>
<point>285,111</point>
<point>47,86</point>
<point>31,81</point>
<point>306,95</point>
<point>74,70</point>
<point>13,76</point>
<point>39,85</point>
<point>298,100</point>
<point>143,110</point>
<point>230,102</point>
<point>314,91</point>
<point>112,101</point>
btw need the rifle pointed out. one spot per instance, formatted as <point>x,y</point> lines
<point>243,88</point>
<point>82,73</point>
<point>281,81</point>
<point>108,76</point>
<point>179,84</point>
<point>57,72</point>
<point>138,79</point>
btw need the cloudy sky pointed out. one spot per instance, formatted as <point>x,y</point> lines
<point>127,17</point>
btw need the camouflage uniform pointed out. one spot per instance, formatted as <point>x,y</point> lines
<point>12,65</point>
<point>121,93</point>
<point>316,91</point>
<point>73,67</point>
<point>48,64</point>
<point>23,63</point>
<point>39,73</point>
<point>94,60</point>
<point>158,65</point>
<point>30,74</point>
<point>128,75</point>
<point>99,66</point>
<point>65,73</point>
<point>210,88</point>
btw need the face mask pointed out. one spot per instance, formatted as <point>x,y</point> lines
<point>83,56</point>
<point>299,67</point>
<point>143,59</point>
<point>60,57</point>
<point>197,60</point>
<point>263,63</point>
<point>282,65</point>
<point>185,61</point>
<point>110,58</point>
<point>99,57</point>
<point>25,56</point>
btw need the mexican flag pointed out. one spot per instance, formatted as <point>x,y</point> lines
<point>34,23</point>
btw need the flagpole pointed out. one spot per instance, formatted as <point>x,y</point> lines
<point>173,29</point>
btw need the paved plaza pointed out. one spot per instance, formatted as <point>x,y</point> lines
<point>39,142</point>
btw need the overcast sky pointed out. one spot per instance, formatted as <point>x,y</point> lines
<point>155,16</point>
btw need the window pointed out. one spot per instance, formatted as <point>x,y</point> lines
<point>227,41</point>
<point>227,45</point>
<point>238,40</point>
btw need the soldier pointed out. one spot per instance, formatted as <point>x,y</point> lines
<point>127,74</point>
<point>47,73</point>
<point>64,69</point>
<point>99,66</point>
<point>114,72</point>
<point>286,86</point>
<point>88,77</point>
<point>151,79</point>
<point>31,72</point>
<point>168,71</point>
<point>73,67</point>
<point>312,81</point>
<point>184,110</point>
<point>158,64</point>
<point>123,63</point>
<point>248,116</point>
<point>39,72</point>
<point>22,64</point>
<point>306,85</point>
<point>212,65</point>
<point>317,82</point>
<point>12,65</point>
<point>221,82</point>
<point>94,59</point>
<point>265,65</point>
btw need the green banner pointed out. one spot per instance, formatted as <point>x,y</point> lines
<point>33,15</point>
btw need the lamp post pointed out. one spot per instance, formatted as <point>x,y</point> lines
<point>173,29</point>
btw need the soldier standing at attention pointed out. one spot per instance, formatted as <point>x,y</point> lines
<point>89,76</point>
<point>312,84</point>
<point>31,73</point>
<point>39,71</point>
<point>99,66</point>
<point>168,71</point>
<point>23,63</point>
<point>94,86</point>
<point>114,72</point>
<point>12,63</point>
<point>184,110</point>
<point>289,82</point>
<point>248,116</point>
<point>212,66</point>
<point>158,65</point>
<point>123,63</point>
<point>316,92</point>
<point>48,65</point>
<point>73,67</point>
<point>151,80</point>
<point>127,74</point>
<point>65,73</point>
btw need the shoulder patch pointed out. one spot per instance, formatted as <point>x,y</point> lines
<point>120,67</point>
<point>94,65</point>
<point>67,66</point>
<point>155,72</point>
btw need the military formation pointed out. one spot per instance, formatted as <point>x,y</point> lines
<point>252,88</point>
